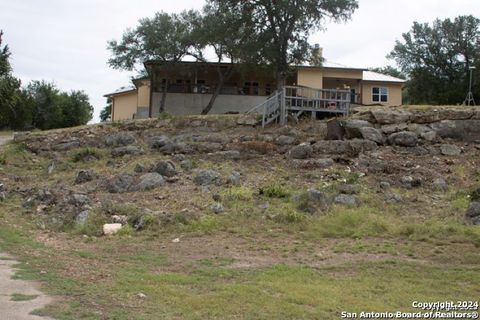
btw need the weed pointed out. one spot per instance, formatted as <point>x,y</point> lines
<point>274,191</point>
<point>237,193</point>
<point>289,216</point>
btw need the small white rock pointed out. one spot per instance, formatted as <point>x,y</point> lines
<point>176,240</point>
<point>141,295</point>
<point>111,228</point>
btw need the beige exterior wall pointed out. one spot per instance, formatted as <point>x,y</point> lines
<point>394,93</point>
<point>124,106</point>
<point>312,78</point>
<point>191,103</point>
<point>143,94</point>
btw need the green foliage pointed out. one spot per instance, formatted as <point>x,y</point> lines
<point>389,70</point>
<point>437,59</point>
<point>55,109</point>
<point>241,193</point>
<point>106,112</point>
<point>275,191</point>
<point>278,31</point>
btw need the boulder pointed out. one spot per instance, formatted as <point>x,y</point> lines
<point>119,139</point>
<point>392,128</point>
<point>358,146</point>
<point>335,130</point>
<point>208,147</point>
<point>403,139</point>
<point>312,201</point>
<point>440,184</point>
<point>128,150</point>
<point>410,182</point>
<point>284,140</point>
<point>301,151</point>
<point>348,189</point>
<point>347,199</point>
<point>67,145</point>
<point>120,183</point>
<point>206,177</point>
<point>79,200</point>
<point>372,134</point>
<point>473,213</point>
<point>84,176</point>
<point>352,128</point>
<point>450,150</point>
<point>384,116</point>
<point>159,142</point>
<point>216,208</point>
<point>428,116</point>
<point>391,197</point>
<point>149,181</point>
<point>111,228</point>
<point>82,217</point>
<point>234,178</point>
<point>429,136</point>
<point>165,168</point>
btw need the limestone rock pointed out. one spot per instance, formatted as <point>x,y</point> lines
<point>372,134</point>
<point>128,150</point>
<point>352,128</point>
<point>206,177</point>
<point>149,181</point>
<point>120,183</point>
<point>84,176</point>
<point>119,139</point>
<point>403,138</point>
<point>346,199</point>
<point>301,151</point>
<point>450,150</point>
<point>165,168</point>
<point>111,228</point>
<point>473,213</point>
<point>383,116</point>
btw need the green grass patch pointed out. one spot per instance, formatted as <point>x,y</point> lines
<point>275,191</point>
<point>22,297</point>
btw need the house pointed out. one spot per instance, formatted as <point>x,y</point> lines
<point>190,85</point>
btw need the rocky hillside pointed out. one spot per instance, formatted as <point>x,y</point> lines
<point>162,167</point>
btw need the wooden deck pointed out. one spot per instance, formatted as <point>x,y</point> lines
<point>298,100</point>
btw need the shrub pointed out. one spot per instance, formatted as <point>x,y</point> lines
<point>237,193</point>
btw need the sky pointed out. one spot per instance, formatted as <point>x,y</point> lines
<point>65,42</point>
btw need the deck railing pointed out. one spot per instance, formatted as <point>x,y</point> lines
<point>309,99</point>
<point>302,99</point>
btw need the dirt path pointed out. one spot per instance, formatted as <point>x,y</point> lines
<point>19,290</point>
<point>11,289</point>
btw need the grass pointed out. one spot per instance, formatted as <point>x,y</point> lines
<point>22,297</point>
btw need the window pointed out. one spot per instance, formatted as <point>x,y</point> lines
<point>379,94</point>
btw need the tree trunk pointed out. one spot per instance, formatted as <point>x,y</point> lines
<point>164,97</point>
<point>280,80</point>
<point>222,77</point>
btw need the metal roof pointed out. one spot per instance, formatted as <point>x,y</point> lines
<point>375,76</point>
<point>121,90</point>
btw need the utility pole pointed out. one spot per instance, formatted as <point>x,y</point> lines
<point>469,99</point>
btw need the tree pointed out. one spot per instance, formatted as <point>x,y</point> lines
<point>106,112</point>
<point>11,113</point>
<point>389,70</point>
<point>222,31</point>
<point>280,29</point>
<point>164,38</point>
<point>52,108</point>
<point>437,59</point>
